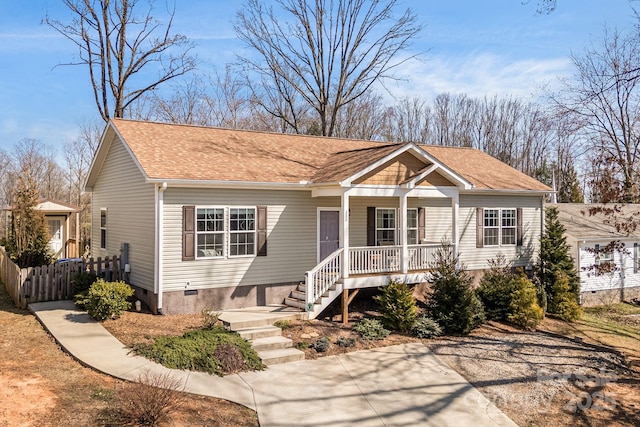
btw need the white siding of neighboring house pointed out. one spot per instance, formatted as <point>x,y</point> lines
<point>589,281</point>
<point>121,189</point>
<point>291,241</point>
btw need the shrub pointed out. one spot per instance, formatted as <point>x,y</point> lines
<point>210,318</point>
<point>563,303</point>
<point>524,310</point>
<point>509,297</point>
<point>426,327</point>
<point>82,282</point>
<point>230,358</point>
<point>398,306</point>
<point>371,329</point>
<point>196,350</point>
<point>321,345</point>
<point>148,401</point>
<point>345,342</point>
<point>106,300</point>
<point>283,324</point>
<point>451,301</point>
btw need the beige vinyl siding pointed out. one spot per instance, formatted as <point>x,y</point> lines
<point>476,258</point>
<point>291,241</point>
<point>130,214</point>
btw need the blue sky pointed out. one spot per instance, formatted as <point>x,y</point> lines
<point>477,47</point>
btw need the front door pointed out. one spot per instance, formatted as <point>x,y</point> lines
<point>329,231</point>
<point>55,231</point>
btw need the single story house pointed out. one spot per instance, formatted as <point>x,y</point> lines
<point>220,218</point>
<point>63,224</point>
<point>605,276</point>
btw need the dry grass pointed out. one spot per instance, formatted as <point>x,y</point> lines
<point>43,386</point>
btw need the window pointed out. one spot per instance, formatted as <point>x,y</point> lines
<point>412,226</point>
<point>103,228</point>
<point>225,231</point>
<point>491,227</point>
<point>603,257</point>
<point>385,227</point>
<point>210,232</point>
<point>500,227</point>
<point>508,226</point>
<point>242,231</point>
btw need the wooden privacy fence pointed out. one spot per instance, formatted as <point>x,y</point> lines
<point>52,282</point>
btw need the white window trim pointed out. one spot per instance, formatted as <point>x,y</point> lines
<point>395,220</point>
<point>103,228</point>
<point>416,228</point>
<point>198,233</point>
<point>500,227</point>
<point>230,232</point>
<point>226,233</point>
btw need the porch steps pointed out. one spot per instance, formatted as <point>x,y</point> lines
<point>298,297</point>
<point>256,326</point>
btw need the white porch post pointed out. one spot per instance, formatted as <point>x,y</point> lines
<point>404,264</point>
<point>455,208</point>
<point>344,233</point>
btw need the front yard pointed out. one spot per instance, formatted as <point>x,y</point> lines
<point>536,378</point>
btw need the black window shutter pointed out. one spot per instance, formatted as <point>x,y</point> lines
<point>597,254</point>
<point>371,226</point>
<point>188,233</point>
<point>635,257</point>
<point>422,226</point>
<point>519,231</point>
<point>261,229</point>
<point>479,227</point>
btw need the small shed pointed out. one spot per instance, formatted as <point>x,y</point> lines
<point>63,220</point>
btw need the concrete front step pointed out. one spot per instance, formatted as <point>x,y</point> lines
<point>293,302</point>
<point>283,355</point>
<point>259,332</point>
<point>301,295</point>
<point>271,343</point>
<point>243,319</point>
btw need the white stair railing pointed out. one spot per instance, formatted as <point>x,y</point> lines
<point>322,277</point>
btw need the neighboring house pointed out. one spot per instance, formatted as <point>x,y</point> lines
<point>63,222</point>
<point>221,218</point>
<point>588,235</point>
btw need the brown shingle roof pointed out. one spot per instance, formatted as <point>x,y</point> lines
<point>183,152</point>
<point>580,225</point>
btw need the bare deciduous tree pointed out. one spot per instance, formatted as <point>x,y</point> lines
<point>603,99</point>
<point>116,43</point>
<point>324,54</point>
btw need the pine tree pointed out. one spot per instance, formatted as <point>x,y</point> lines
<point>554,257</point>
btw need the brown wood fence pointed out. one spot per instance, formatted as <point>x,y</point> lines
<point>51,282</point>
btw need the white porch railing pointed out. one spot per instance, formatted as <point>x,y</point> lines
<point>374,259</point>
<point>387,259</point>
<point>322,277</point>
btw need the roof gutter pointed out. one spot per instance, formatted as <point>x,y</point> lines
<point>197,183</point>
<point>159,199</point>
<point>506,192</point>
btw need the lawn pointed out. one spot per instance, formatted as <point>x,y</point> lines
<point>43,386</point>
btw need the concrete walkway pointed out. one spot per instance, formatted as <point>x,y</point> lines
<point>402,385</point>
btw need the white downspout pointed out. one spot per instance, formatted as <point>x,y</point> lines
<point>344,233</point>
<point>159,196</point>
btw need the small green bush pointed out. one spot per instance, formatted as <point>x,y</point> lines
<point>83,281</point>
<point>509,297</point>
<point>106,300</point>
<point>321,345</point>
<point>283,324</point>
<point>451,301</point>
<point>346,342</point>
<point>426,327</point>
<point>196,351</point>
<point>371,329</point>
<point>524,310</point>
<point>398,306</point>
<point>563,303</point>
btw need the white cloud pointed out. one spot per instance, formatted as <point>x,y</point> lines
<point>478,75</point>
